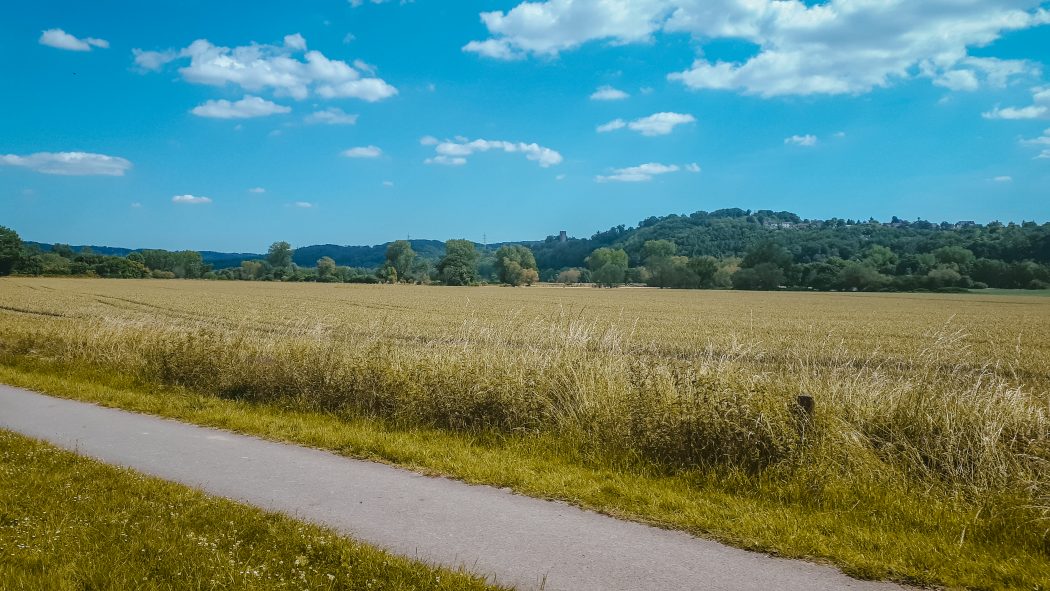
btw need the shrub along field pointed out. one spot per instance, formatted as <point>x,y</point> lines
<point>926,457</point>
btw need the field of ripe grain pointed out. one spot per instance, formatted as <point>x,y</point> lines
<point>918,396</point>
<point>949,387</point>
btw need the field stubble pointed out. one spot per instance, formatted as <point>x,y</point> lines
<point>924,396</point>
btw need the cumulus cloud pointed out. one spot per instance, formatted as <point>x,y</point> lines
<point>608,93</point>
<point>190,200</point>
<point>1003,179</point>
<point>333,116</point>
<point>69,163</point>
<point>63,40</point>
<point>363,152</point>
<point>303,204</point>
<point>807,140</point>
<point>246,108</point>
<point>655,124</point>
<point>692,167</point>
<point>455,152</point>
<point>429,140</point>
<point>637,174</point>
<point>257,190</point>
<point>1039,109</point>
<point>833,47</point>
<point>270,67</point>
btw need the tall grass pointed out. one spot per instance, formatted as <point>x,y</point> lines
<point>935,419</point>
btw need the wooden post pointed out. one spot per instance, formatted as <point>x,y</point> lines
<point>805,402</point>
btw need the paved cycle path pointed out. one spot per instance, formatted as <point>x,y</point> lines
<point>513,539</point>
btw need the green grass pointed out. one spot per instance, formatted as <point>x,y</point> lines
<point>68,522</point>
<point>869,525</point>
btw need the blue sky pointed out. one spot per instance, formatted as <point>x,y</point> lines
<point>226,126</point>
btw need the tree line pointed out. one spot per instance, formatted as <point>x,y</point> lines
<point>461,263</point>
<point>725,249</point>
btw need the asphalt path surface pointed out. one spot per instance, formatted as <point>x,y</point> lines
<point>510,538</point>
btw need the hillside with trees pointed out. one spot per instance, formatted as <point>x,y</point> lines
<point>724,249</point>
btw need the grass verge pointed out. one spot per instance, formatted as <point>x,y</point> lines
<point>68,522</point>
<point>869,528</point>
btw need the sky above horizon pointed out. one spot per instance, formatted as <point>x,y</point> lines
<point>227,126</point>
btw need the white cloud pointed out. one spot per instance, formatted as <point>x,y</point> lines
<point>446,160</point>
<point>1003,179</point>
<point>363,152</point>
<point>257,190</point>
<point>247,107</point>
<point>259,67</point>
<point>388,183</point>
<point>608,93</point>
<point>1039,109</point>
<point>136,205</point>
<point>69,163</point>
<point>455,152</point>
<point>357,3</point>
<point>365,67</point>
<point>546,28</point>
<point>637,174</point>
<point>153,60</point>
<point>1043,142</point>
<point>655,124</point>
<point>807,140</point>
<point>190,200</point>
<point>660,123</point>
<point>831,47</point>
<point>958,80</point>
<point>429,140</point>
<point>303,204</point>
<point>1029,112</point>
<point>494,48</point>
<point>333,116</point>
<point>63,40</point>
<point>295,42</point>
<point>692,167</point>
<point>612,126</point>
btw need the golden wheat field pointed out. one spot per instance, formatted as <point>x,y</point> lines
<point>949,386</point>
<point>921,400</point>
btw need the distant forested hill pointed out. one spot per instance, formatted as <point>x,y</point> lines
<point>733,232</point>
<point>363,256</point>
